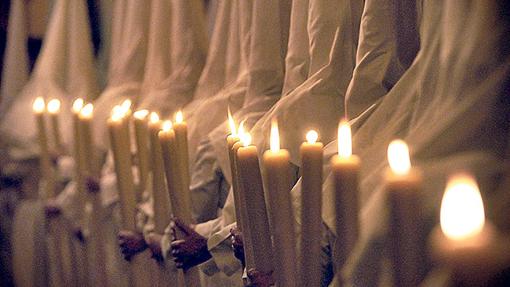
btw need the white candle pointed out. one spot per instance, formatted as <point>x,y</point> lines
<point>465,241</point>
<point>403,187</point>
<point>311,153</point>
<point>46,167</point>
<point>142,149</point>
<point>54,111</point>
<point>278,183</point>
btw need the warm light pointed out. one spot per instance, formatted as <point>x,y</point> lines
<point>78,105</point>
<point>344,139</point>
<point>141,114</point>
<point>240,131</point>
<point>86,111</point>
<point>179,117</point>
<point>54,106</point>
<point>246,139</point>
<point>462,214</point>
<point>117,113</point>
<point>274,138</point>
<point>167,126</point>
<point>38,105</point>
<point>312,137</point>
<point>232,124</point>
<point>154,117</point>
<point>398,157</point>
<point>126,105</point>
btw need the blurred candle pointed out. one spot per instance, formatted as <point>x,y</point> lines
<point>142,149</point>
<point>232,139</point>
<point>85,118</point>
<point>181,143</point>
<point>465,242</point>
<point>47,173</point>
<point>345,171</point>
<point>159,188</point>
<point>403,187</point>
<point>54,111</point>
<point>311,205</point>
<point>79,159</point>
<point>250,181</point>
<point>120,145</point>
<point>278,183</point>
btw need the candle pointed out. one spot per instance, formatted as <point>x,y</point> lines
<point>79,159</point>
<point>85,118</point>
<point>47,173</point>
<point>311,153</point>
<point>120,145</point>
<point>250,182</point>
<point>159,188</point>
<point>54,111</point>
<point>403,187</point>
<point>181,139</point>
<point>142,149</point>
<point>232,139</point>
<point>345,169</point>
<point>278,183</point>
<point>466,242</point>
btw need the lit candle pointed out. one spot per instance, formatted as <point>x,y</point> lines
<point>79,158</point>
<point>47,173</point>
<point>85,117</point>
<point>345,171</point>
<point>159,189</point>
<point>466,242</point>
<point>142,149</point>
<point>120,145</point>
<point>54,111</point>
<point>403,187</point>
<point>278,183</point>
<point>250,182</point>
<point>311,198</point>
<point>181,139</point>
<point>232,139</point>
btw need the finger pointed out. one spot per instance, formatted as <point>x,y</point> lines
<point>177,244</point>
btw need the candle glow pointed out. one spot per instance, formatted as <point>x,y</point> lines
<point>344,139</point>
<point>54,106</point>
<point>274,139</point>
<point>462,214</point>
<point>312,137</point>
<point>154,117</point>
<point>245,139</point>
<point>179,118</point>
<point>38,105</point>
<point>78,105</point>
<point>398,157</point>
<point>141,114</point>
<point>231,123</point>
<point>126,105</point>
<point>167,126</point>
<point>86,111</point>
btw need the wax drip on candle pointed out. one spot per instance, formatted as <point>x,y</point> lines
<point>398,157</point>
<point>231,123</point>
<point>312,137</point>
<point>344,139</point>
<point>86,111</point>
<point>141,114</point>
<point>179,118</point>
<point>39,105</point>
<point>462,213</point>
<point>54,106</point>
<point>166,126</point>
<point>274,138</point>
<point>78,105</point>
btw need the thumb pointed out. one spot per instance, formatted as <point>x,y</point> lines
<point>187,229</point>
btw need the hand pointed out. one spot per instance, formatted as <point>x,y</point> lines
<point>92,184</point>
<point>237,244</point>
<point>260,279</point>
<point>154,244</point>
<point>131,243</point>
<point>191,249</point>
<point>52,209</point>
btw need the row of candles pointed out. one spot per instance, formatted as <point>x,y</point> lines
<point>463,242</point>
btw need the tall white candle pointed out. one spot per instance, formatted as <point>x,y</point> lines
<point>142,149</point>
<point>54,111</point>
<point>47,172</point>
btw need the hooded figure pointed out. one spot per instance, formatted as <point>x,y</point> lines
<point>443,119</point>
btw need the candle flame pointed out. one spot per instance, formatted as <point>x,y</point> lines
<point>117,113</point>
<point>241,131</point>
<point>312,137</point>
<point>167,125</point>
<point>86,111</point>
<point>38,105</point>
<point>398,157</point>
<point>344,139</point>
<point>126,105</point>
<point>78,105</point>
<point>274,138</point>
<point>141,114</point>
<point>179,117</point>
<point>154,118</point>
<point>246,139</point>
<point>462,213</point>
<point>54,106</point>
<point>231,123</point>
